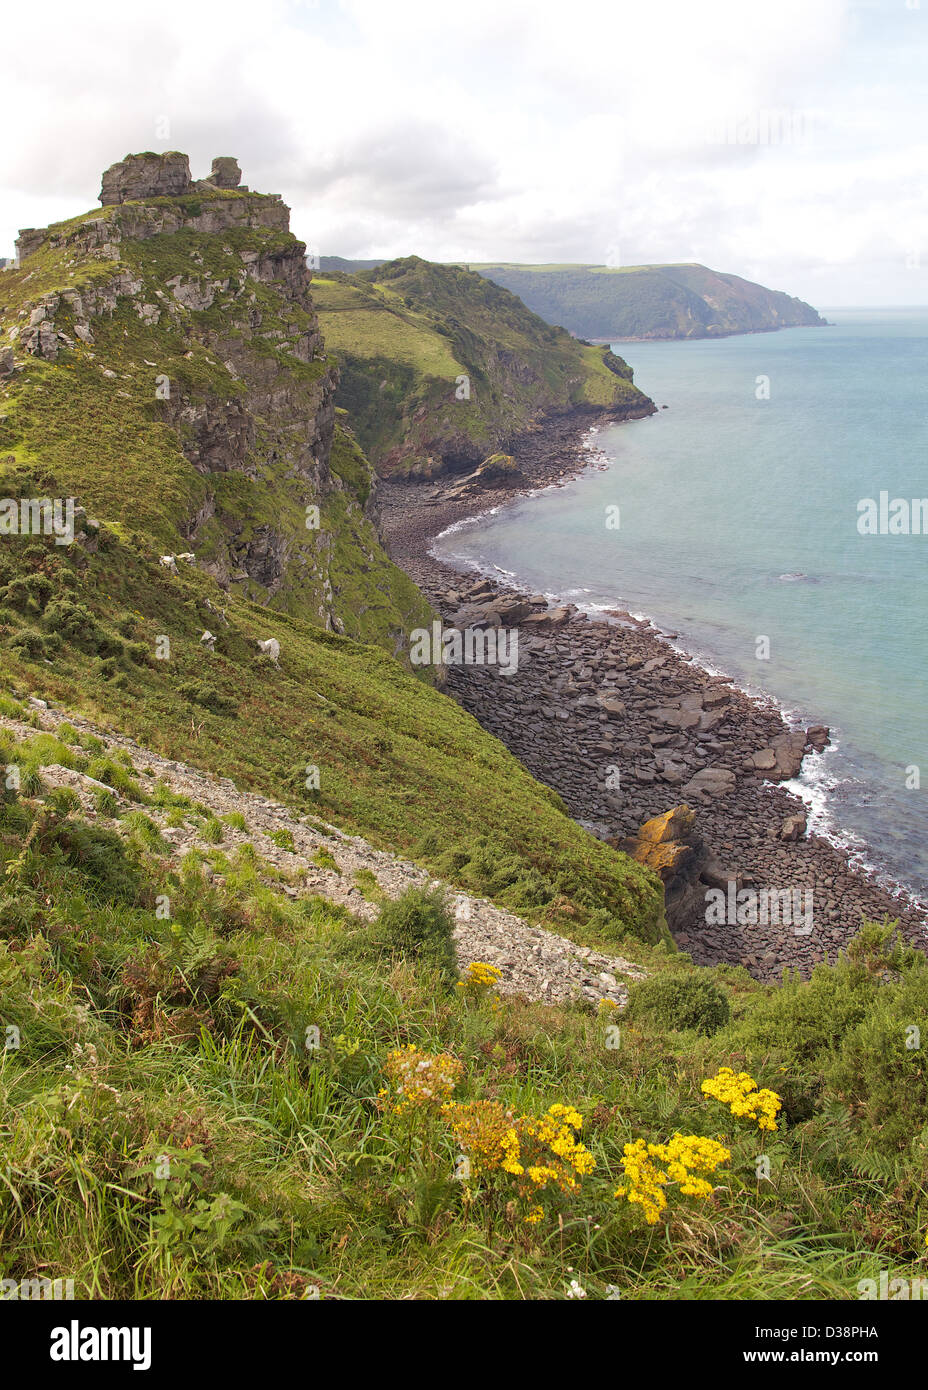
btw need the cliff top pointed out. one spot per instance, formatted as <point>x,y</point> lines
<point>150,175</point>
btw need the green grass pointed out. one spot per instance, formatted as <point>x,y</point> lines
<point>398,762</point>
<point>407,330</point>
<point>173,1126</point>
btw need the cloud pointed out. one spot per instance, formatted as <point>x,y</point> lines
<point>787,138</point>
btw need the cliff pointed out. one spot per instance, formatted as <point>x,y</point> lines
<point>168,368</point>
<point>440,368</point>
<point>162,364</point>
<point>653,301</point>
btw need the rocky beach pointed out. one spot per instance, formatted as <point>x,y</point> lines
<point>631,733</point>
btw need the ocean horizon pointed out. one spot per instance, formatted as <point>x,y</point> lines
<point>755,518</point>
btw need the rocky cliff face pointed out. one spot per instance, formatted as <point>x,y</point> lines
<point>193,302</point>
<point>440,368</point>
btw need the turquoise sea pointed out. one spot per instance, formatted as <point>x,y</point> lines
<point>738,520</point>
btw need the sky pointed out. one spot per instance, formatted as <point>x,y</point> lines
<point>787,143</point>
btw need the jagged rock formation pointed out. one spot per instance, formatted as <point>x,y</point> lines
<point>670,845</point>
<point>206,282</point>
<point>148,175</point>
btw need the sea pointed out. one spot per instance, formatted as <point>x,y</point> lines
<point>766,518</point>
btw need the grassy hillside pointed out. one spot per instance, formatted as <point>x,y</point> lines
<point>652,301</point>
<point>408,332</point>
<point>225,467</point>
<point>173,1127</point>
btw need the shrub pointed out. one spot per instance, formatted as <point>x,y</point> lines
<point>105,802</point>
<point>35,645</point>
<point>679,1002</point>
<point>208,696</point>
<point>419,925</point>
<point>115,776</point>
<point>28,594</point>
<point>143,832</point>
<point>878,1069</point>
<point>75,623</point>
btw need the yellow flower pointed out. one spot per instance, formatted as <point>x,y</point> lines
<point>479,977</point>
<point>419,1080</point>
<point>739,1092</point>
<point>685,1156</point>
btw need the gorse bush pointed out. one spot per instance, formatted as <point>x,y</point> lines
<point>201,693</point>
<point>419,925</point>
<point>680,1002</point>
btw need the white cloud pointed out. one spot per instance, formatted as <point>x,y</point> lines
<point>503,129</point>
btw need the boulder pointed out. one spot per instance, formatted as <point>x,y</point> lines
<point>715,781</point>
<point>609,705</point>
<point>146,176</point>
<point>793,827</point>
<point>225,172</point>
<point>511,610</point>
<point>555,617</point>
<point>714,875</point>
<point>678,718</point>
<point>765,760</point>
<point>669,845</point>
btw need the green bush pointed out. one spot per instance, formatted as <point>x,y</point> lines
<point>212,830</point>
<point>105,802</point>
<point>419,925</point>
<point>114,775</point>
<point>65,800</point>
<point>29,593</point>
<point>207,696</point>
<point>879,1069</point>
<point>678,1002</point>
<point>35,645</point>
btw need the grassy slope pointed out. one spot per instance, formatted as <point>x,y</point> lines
<point>166,1132</point>
<point>406,331</point>
<point>399,762</point>
<point>652,301</point>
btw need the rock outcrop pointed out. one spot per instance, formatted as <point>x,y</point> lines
<point>141,176</point>
<point>148,175</point>
<point>670,846</point>
<point>248,391</point>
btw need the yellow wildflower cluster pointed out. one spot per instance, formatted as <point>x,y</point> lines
<point>537,1151</point>
<point>739,1092</point>
<point>418,1080</point>
<point>684,1157</point>
<point>487,1134</point>
<point>479,976</point>
<point>563,1159</point>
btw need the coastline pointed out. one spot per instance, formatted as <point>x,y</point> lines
<point>671,730</point>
